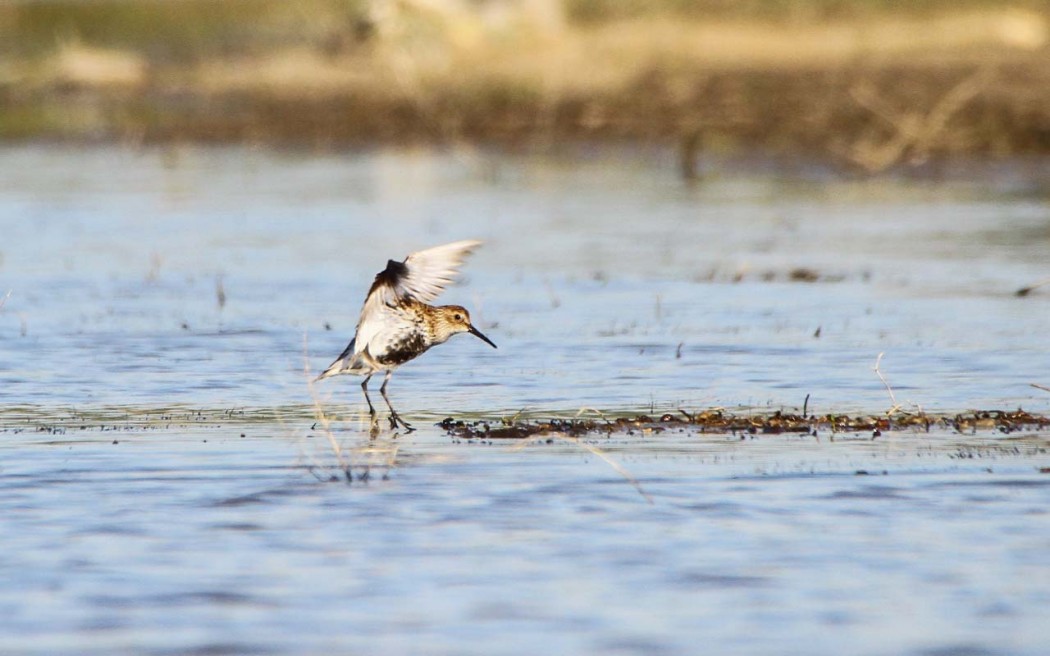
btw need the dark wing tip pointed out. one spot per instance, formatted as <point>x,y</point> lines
<point>391,276</point>
<point>394,271</point>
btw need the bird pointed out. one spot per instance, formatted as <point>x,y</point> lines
<point>397,324</point>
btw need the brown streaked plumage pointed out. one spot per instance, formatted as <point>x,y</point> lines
<point>397,324</point>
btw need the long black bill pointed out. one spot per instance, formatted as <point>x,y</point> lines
<point>477,333</point>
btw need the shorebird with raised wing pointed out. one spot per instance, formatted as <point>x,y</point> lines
<point>397,324</point>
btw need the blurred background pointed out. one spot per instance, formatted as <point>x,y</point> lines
<point>869,84</point>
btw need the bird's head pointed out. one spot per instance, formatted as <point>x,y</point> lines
<point>454,319</point>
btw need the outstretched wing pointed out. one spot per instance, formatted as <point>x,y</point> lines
<point>422,276</point>
<point>425,274</point>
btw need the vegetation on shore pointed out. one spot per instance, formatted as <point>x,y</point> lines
<point>857,81</point>
<point>720,421</point>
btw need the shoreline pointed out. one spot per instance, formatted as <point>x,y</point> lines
<point>739,420</point>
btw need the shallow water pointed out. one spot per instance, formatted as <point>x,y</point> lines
<point>165,479</point>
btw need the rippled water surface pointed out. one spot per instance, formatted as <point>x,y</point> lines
<point>165,477</point>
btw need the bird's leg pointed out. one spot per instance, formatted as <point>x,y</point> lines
<point>364,388</point>
<point>395,418</point>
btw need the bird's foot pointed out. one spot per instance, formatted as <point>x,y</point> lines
<point>395,420</point>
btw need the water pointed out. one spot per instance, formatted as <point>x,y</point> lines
<point>164,474</point>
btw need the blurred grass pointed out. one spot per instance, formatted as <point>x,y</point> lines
<point>872,83</point>
<point>172,30</point>
<point>180,30</point>
<point>598,11</point>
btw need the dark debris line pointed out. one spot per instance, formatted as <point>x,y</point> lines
<point>722,422</point>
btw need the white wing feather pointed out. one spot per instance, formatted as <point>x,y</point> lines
<point>431,270</point>
<point>427,274</point>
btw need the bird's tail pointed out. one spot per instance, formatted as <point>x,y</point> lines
<point>344,364</point>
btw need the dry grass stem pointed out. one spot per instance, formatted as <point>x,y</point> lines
<point>917,134</point>
<point>584,410</point>
<point>893,399</point>
<point>319,413</point>
<point>220,293</point>
<point>513,420</point>
<point>555,301</point>
<point>617,467</point>
<point>362,458</point>
<point>1038,386</point>
<point>4,299</point>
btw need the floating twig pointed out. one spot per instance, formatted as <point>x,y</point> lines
<point>1024,291</point>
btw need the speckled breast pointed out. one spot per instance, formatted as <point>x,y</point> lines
<point>403,349</point>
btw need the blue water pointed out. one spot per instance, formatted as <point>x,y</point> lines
<point>164,474</point>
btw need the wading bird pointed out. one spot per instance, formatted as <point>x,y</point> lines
<point>397,325</point>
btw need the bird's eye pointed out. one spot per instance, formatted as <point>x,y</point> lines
<point>457,317</point>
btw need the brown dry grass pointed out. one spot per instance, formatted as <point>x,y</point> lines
<point>606,58</point>
<point>871,93</point>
